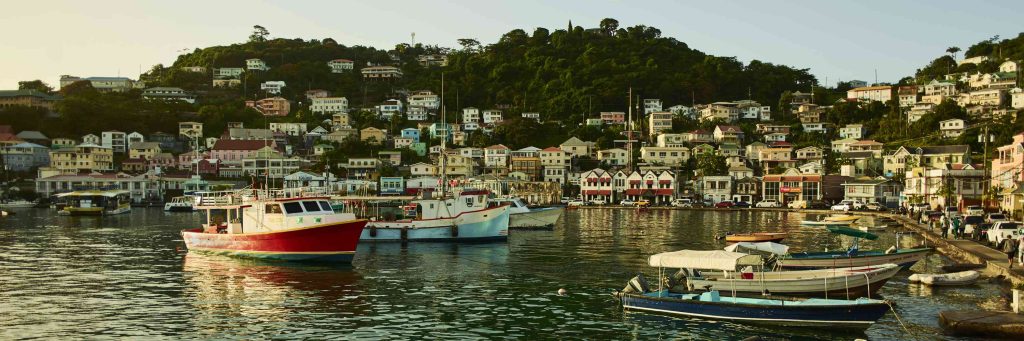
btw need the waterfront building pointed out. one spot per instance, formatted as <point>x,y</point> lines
<point>596,184</point>
<point>715,188</point>
<point>905,158</point>
<point>85,157</point>
<point>945,186</point>
<point>392,185</point>
<point>881,190</point>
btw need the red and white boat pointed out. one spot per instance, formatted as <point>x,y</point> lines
<point>292,224</point>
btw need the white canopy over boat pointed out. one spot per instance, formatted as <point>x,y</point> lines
<point>708,260</point>
<point>771,247</point>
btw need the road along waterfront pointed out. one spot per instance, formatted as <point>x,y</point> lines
<point>128,276</point>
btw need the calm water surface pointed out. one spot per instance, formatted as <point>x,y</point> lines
<point>129,276</point>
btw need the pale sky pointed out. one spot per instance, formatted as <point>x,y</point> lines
<point>836,40</point>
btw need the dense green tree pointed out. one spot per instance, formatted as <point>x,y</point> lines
<point>259,34</point>
<point>712,164</point>
<point>37,85</point>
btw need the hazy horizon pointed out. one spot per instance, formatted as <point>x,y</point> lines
<point>836,41</point>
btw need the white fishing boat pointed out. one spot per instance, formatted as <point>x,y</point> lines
<point>522,216</point>
<point>466,217</point>
<point>17,204</point>
<point>957,278</point>
<point>95,202</point>
<point>180,204</point>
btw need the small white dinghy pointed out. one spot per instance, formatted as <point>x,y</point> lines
<point>956,278</point>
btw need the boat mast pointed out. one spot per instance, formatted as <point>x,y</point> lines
<point>443,161</point>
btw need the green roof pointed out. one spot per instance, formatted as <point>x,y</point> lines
<point>23,93</point>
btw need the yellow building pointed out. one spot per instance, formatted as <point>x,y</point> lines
<point>373,135</point>
<point>143,150</point>
<point>84,157</point>
<point>27,98</point>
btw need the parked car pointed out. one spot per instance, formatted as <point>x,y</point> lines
<point>741,204</point>
<point>974,210</point>
<point>817,205</point>
<point>642,203</point>
<point>920,207</point>
<point>928,216</point>
<point>682,202</point>
<point>598,202</point>
<point>874,206</point>
<point>994,217</point>
<point>576,203</point>
<point>770,203</point>
<point>1002,231</point>
<point>951,211</point>
<point>847,205</point>
<point>565,200</point>
<point>971,224</point>
<point>627,202</point>
<point>724,204</point>
<point>797,204</point>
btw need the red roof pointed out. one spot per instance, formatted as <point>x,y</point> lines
<point>730,129</point>
<point>243,144</point>
<point>777,178</point>
<point>497,146</point>
<point>597,192</point>
<point>551,149</point>
<point>6,129</point>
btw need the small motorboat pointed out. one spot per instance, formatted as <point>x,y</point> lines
<point>180,204</point>
<point>756,237</point>
<point>711,304</point>
<point>825,223</point>
<point>957,278</point>
<point>4,213</point>
<point>841,218</point>
<point>852,257</point>
<point>522,216</point>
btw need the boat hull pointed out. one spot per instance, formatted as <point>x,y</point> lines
<point>18,205</point>
<point>538,217</point>
<point>93,211</point>
<point>845,283</point>
<point>904,258</point>
<point>334,242</point>
<point>485,225</point>
<point>830,316</point>
<point>756,237</point>
<point>825,223</point>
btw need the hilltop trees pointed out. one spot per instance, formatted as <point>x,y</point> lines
<point>259,34</point>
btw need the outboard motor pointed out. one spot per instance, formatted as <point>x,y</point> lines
<point>637,285</point>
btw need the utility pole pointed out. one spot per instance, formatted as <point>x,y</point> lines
<point>629,133</point>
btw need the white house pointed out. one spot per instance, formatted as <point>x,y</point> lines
<point>341,65</point>
<point>272,87</point>
<point>424,98</point>
<point>652,105</point>
<point>613,156</point>
<point>716,188</point>
<point>596,184</point>
<point>492,116</point>
<point>881,93</point>
<point>256,64</point>
<point>329,105</point>
<point>389,108</point>
<point>852,131</point>
<point>952,128</point>
<point>774,137</point>
<point>115,140</point>
<point>470,114</point>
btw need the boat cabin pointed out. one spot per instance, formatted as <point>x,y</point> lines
<point>251,215</point>
<point>466,201</point>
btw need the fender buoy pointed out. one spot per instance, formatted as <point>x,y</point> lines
<point>405,233</point>
<point>373,231</point>
<point>455,230</point>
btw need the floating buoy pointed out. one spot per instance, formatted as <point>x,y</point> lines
<point>562,292</point>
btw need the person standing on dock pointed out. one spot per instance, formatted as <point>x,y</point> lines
<point>944,225</point>
<point>957,233</point>
<point>1011,249</point>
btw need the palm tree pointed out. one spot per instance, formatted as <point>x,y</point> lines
<point>952,51</point>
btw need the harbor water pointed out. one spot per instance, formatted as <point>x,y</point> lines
<point>130,276</point>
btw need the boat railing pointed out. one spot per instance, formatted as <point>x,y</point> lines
<point>248,195</point>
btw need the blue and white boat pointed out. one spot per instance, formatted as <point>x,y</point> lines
<point>522,216</point>
<point>711,304</point>
<point>854,257</point>
<point>466,217</point>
